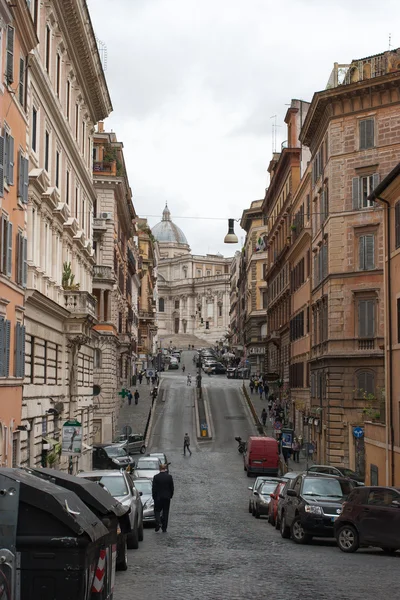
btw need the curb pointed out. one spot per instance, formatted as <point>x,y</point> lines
<point>257,421</point>
<point>208,415</point>
<point>196,416</point>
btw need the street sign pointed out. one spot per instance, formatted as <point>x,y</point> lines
<point>127,430</point>
<point>150,373</point>
<point>358,432</point>
<point>71,438</point>
<point>287,439</point>
<point>277,425</point>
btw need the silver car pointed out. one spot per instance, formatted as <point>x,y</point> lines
<point>144,487</point>
<point>146,467</point>
<point>133,444</point>
<point>120,485</point>
<point>254,488</point>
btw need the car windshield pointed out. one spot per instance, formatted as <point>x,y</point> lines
<point>143,486</point>
<point>160,456</point>
<point>116,451</point>
<point>268,488</point>
<point>148,464</point>
<point>329,488</point>
<point>115,484</point>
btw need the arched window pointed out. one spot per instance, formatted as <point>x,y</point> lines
<point>365,383</point>
<point>161,305</point>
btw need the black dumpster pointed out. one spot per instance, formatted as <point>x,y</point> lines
<point>59,540</point>
<point>112,513</point>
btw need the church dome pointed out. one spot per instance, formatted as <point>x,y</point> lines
<point>167,231</point>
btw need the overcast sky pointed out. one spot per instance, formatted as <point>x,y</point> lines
<point>194,84</point>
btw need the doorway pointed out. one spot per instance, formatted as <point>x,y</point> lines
<point>176,328</point>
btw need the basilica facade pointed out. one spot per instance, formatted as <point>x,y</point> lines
<point>192,291</point>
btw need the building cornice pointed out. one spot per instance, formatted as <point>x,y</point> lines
<point>76,26</point>
<point>51,104</point>
<point>26,28</point>
<point>48,306</point>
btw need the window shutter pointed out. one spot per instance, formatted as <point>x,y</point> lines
<point>370,318</point>
<point>2,346</point>
<point>9,248</point>
<point>375,180</point>
<point>7,348</point>
<point>369,133</point>
<point>356,193</point>
<point>2,143</point>
<point>396,223</point>
<point>362,309</point>
<point>370,252</point>
<point>362,253</point>
<point>24,262</point>
<point>25,163</point>
<point>10,156</point>
<point>10,55</point>
<point>316,271</point>
<point>21,88</point>
<point>17,359</point>
<point>322,207</point>
<point>20,174</point>
<point>18,276</point>
<point>369,383</point>
<point>362,134</point>
<point>324,260</point>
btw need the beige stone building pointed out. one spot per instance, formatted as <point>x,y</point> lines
<point>115,282</point>
<point>234,300</point>
<point>352,130</point>
<point>193,291</point>
<point>66,95</point>
<point>148,325</point>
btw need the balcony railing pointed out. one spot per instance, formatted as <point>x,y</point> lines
<point>348,346</point>
<point>80,303</point>
<point>366,344</point>
<point>101,166</point>
<point>103,272</point>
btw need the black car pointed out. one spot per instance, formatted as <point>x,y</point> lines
<point>370,517</point>
<point>219,369</point>
<point>339,471</point>
<point>312,505</point>
<point>283,495</point>
<point>110,456</point>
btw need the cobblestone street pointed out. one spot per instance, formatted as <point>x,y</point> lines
<point>214,548</point>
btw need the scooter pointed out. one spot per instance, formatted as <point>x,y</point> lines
<point>241,445</point>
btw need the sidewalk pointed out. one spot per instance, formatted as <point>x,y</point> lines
<point>136,415</point>
<point>269,430</point>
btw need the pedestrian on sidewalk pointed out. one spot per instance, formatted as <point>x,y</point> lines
<point>130,398</point>
<point>162,493</point>
<point>266,391</point>
<point>147,379</point>
<point>296,450</point>
<point>137,396</point>
<point>140,377</point>
<point>186,444</point>
<point>189,379</point>
<point>154,392</point>
<point>252,385</point>
<point>260,390</point>
<point>264,416</point>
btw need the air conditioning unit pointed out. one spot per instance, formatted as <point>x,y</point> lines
<point>105,215</point>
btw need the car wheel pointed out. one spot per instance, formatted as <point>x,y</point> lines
<point>133,538</point>
<point>298,534</point>
<point>347,538</point>
<point>250,508</point>
<point>277,524</point>
<point>248,474</point>
<point>389,550</point>
<point>253,511</point>
<point>140,532</point>
<point>272,520</point>
<point>285,530</point>
<point>257,515</point>
<point>142,449</point>
<point>122,565</point>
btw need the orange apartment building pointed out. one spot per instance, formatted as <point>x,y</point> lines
<point>285,170</point>
<point>382,440</point>
<point>299,258</point>
<point>352,130</point>
<point>17,39</point>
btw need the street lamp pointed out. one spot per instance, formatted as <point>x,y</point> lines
<point>231,237</point>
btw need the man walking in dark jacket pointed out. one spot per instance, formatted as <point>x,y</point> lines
<point>162,492</point>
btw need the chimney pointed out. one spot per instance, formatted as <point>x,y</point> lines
<point>100,127</point>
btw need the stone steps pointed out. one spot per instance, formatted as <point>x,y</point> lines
<point>182,341</point>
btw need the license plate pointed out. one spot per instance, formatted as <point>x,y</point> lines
<point>257,462</point>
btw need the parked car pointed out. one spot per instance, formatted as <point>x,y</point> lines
<point>312,506</point>
<point>273,505</point>
<point>110,456</point>
<point>147,467</point>
<point>231,372</point>
<point>173,364</point>
<point>120,485</point>
<point>261,456</point>
<point>370,517</point>
<point>144,487</point>
<point>290,481</point>
<point>176,355</point>
<point>219,369</point>
<point>133,444</point>
<point>263,498</point>
<point>339,471</point>
<point>257,482</point>
<point>162,457</point>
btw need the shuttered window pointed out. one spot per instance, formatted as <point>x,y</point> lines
<point>397,224</point>
<point>2,172</point>
<point>5,337</point>
<point>23,178</point>
<point>366,318</point>
<point>365,383</point>
<point>34,129</point>
<point>10,55</point>
<point>21,86</point>
<point>46,150</point>
<point>367,252</point>
<point>22,264</point>
<point>366,131</point>
<point>6,229</point>
<point>9,159</point>
<point>19,362</point>
<point>362,187</point>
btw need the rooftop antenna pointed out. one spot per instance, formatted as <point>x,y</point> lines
<point>273,133</point>
<point>390,41</point>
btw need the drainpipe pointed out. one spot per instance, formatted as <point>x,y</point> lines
<point>389,316</point>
